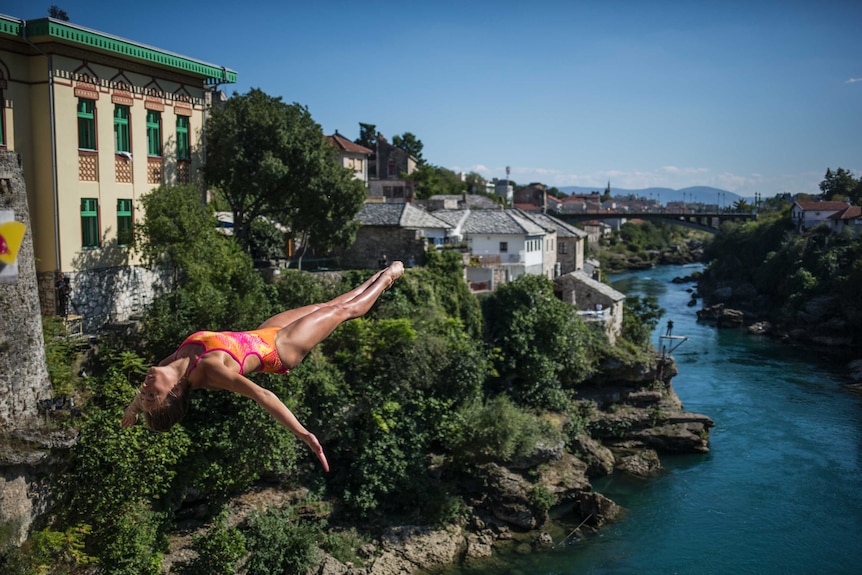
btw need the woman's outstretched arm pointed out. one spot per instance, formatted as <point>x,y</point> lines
<point>222,378</point>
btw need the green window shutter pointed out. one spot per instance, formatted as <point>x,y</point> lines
<point>86,124</point>
<point>89,223</point>
<point>125,235</point>
<point>122,140</point>
<point>183,151</point>
<point>154,133</point>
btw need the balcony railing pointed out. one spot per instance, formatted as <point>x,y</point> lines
<point>489,260</point>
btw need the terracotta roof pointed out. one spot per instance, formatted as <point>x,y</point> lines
<point>849,213</point>
<point>345,145</point>
<point>823,206</point>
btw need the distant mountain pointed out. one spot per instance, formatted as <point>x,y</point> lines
<point>702,194</point>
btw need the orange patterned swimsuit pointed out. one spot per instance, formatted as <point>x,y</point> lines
<point>239,345</point>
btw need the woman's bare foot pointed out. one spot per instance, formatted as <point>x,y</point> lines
<point>393,272</point>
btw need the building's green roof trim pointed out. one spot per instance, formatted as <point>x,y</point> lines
<point>11,26</point>
<point>71,33</point>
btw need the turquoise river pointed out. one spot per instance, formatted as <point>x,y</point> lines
<point>779,493</point>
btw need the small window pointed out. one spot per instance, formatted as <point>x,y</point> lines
<point>122,141</point>
<point>89,223</point>
<point>504,247</point>
<point>154,133</point>
<point>124,223</point>
<point>393,169</point>
<point>86,124</point>
<point>183,144</point>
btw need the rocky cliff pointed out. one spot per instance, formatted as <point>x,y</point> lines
<point>633,419</point>
<point>23,375</point>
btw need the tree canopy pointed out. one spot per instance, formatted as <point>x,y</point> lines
<point>269,158</point>
<point>367,135</point>
<point>433,180</point>
<point>410,144</point>
<point>841,185</point>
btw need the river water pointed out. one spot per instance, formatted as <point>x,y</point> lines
<point>780,491</point>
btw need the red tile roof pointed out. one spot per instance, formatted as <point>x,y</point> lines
<point>849,213</point>
<point>823,206</point>
<point>345,145</point>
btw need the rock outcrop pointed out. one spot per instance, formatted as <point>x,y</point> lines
<point>23,372</point>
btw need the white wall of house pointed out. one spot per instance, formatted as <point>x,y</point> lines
<point>358,163</point>
<point>549,255</point>
<point>526,250</point>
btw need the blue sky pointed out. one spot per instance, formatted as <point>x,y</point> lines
<point>756,96</point>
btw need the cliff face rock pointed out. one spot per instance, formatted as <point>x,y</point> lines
<point>27,461</point>
<point>23,372</point>
<point>25,450</point>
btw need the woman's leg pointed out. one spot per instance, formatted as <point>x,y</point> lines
<point>288,317</point>
<point>296,339</point>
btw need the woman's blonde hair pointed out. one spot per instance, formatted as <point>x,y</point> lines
<point>172,409</point>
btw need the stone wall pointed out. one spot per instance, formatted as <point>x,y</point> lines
<point>396,243</point>
<point>105,295</point>
<point>23,370</point>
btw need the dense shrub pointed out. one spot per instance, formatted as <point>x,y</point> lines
<point>542,347</point>
<point>278,543</point>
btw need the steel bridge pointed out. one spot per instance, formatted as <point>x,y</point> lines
<point>709,221</point>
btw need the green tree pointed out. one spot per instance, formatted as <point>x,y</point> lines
<point>219,550</point>
<point>270,158</point>
<point>839,185</point>
<point>543,346</point>
<point>741,205</point>
<point>322,216</point>
<point>267,241</point>
<point>433,180</point>
<point>475,183</point>
<point>641,315</point>
<point>58,13</point>
<point>410,144</point>
<point>278,543</point>
<point>367,136</point>
<point>212,283</point>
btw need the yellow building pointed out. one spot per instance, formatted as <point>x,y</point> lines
<point>98,121</point>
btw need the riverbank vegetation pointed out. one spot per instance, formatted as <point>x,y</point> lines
<point>806,284</point>
<point>644,244</point>
<point>410,402</point>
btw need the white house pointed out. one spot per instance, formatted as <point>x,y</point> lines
<point>351,156</point>
<point>806,215</point>
<point>568,245</point>
<point>503,244</point>
<point>849,218</point>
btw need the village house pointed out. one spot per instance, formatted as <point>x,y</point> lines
<point>400,230</point>
<point>98,121</point>
<point>595,301</point>
<point>503,244</point>
<point>571,243</point>
<point>387,167</point>
<point>806,215</point>
<point>848,219</point>
<point>351,156</point>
